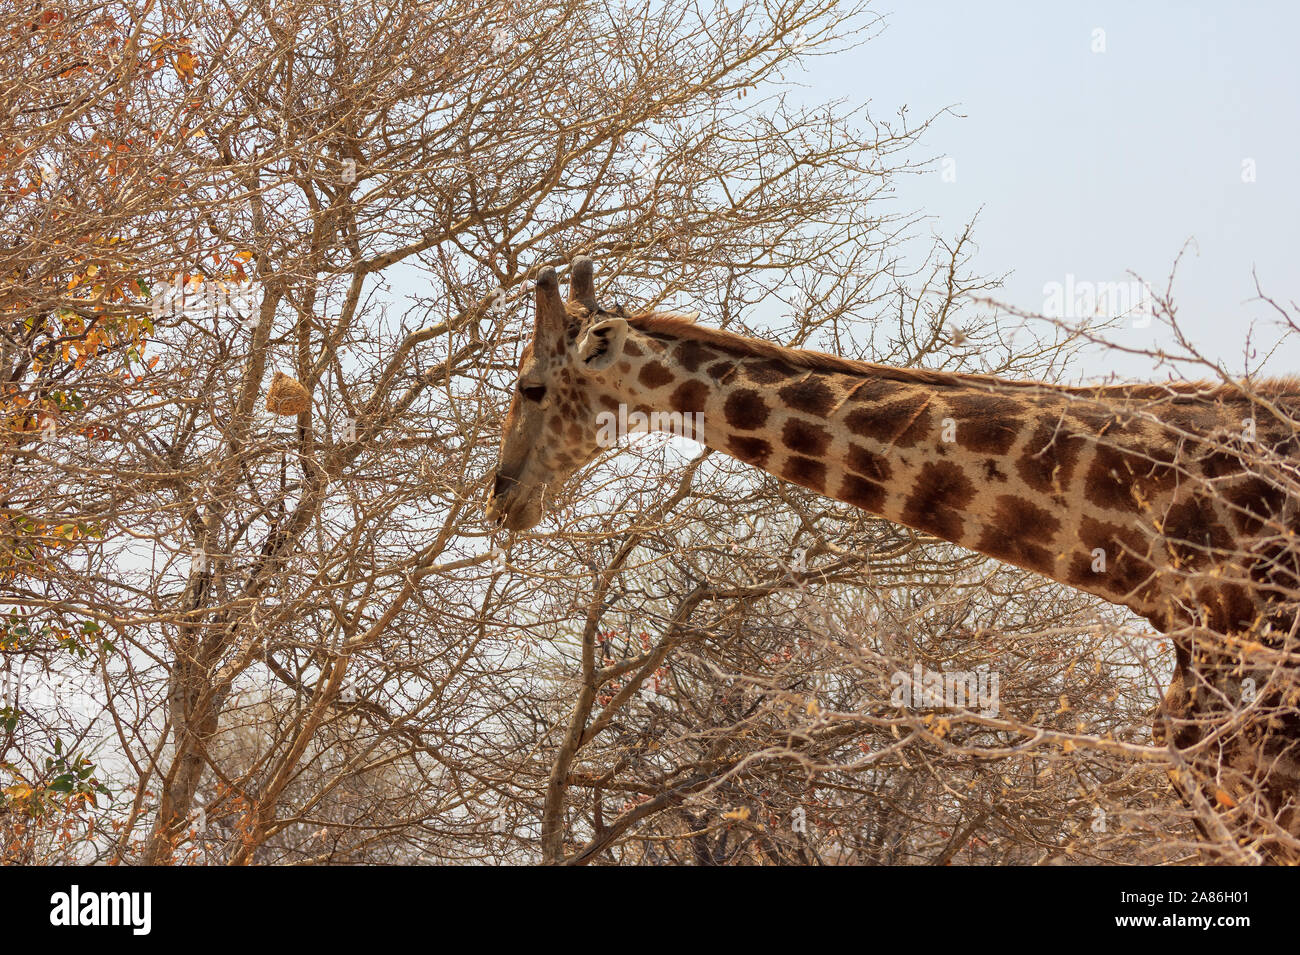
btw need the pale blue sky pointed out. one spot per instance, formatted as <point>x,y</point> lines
<point>1093,164</point>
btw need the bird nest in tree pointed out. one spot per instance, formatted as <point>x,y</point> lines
<point>287,396</point>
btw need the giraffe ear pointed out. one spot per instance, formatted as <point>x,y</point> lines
<point>602,343</point>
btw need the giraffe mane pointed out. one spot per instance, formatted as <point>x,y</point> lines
<point>684,327</point>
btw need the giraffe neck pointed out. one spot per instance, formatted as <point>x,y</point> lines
<point>1041,477</point>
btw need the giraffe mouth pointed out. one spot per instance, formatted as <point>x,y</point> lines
<point>515,506</point>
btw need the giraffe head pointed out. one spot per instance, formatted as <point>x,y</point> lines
<point>550,429</point>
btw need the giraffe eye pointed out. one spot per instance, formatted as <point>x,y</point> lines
<point>533,392</point>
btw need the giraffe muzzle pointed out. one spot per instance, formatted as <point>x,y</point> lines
<point>514,506</point>
<point>498,503</point>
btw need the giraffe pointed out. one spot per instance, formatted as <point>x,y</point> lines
<point>1138,494</point>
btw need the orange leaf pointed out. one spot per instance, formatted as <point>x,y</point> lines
<point>1225,800</point>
